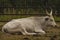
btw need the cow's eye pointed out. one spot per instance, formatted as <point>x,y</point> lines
<point>51,20</point>
<point>46,19</point>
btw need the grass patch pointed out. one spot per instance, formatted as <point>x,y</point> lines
<point>10,17</point>
<point>57,18</point>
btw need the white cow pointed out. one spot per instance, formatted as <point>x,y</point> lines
<point>29,25</point>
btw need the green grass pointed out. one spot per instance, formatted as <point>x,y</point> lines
<point>57,18</point>
<point>10,17</point>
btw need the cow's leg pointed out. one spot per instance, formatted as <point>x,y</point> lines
<point>40,32</point>
<point>24,32</point>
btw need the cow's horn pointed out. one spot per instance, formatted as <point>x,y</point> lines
<point>51,12</point>
<point>47,12</point>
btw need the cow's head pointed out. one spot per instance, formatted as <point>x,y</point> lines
<point>50,19</point>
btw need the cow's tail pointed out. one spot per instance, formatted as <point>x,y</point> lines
<point>4,30</point>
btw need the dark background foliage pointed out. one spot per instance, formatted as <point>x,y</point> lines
<point>34,4</point>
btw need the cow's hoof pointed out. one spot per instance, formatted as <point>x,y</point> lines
<point>12,33</point>
<point>26,38</point>
<point>37,35</point>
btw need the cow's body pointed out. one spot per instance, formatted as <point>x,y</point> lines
<point>28,26</point>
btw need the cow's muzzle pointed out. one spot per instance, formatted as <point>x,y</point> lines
<point>57,26</point>
<point>54,25</point>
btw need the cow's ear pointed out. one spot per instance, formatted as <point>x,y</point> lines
<point>46,19</point>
